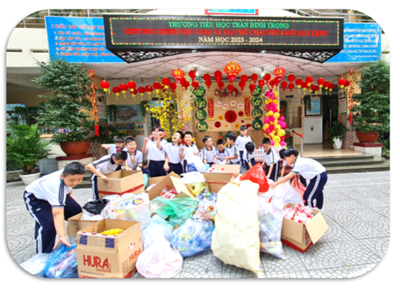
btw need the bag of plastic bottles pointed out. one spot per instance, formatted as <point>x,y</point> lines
<point>35,265</point>
<point>299,213</point>
<point>157,225</point>
<point>160,260</point>
<point>207,208</point>
<point>178,209</point>
<point>193,237</point>
<point>168,193</point>
<point>289,195</point>
<point>195,182</point>
<point>62,263</point>
<point>195,164</point>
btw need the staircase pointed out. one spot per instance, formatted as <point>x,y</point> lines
<point>86,183</point>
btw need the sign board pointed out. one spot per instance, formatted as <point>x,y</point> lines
<point>231,11</point>
<point>78,39</point>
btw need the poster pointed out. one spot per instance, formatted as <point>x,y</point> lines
<point>126,114</point>
<point>210,105</point>
<point>247,114</point>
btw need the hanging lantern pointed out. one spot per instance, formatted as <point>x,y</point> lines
<point>149,89</point>
<point>254,78</point>
<point>284,85</point>
<point>131,85</point>
<point>105,85</point>
<point>178,74</point>
<point>267,77</point>
<point>242,85</point>
<point>192,74</point>
<point>320,83</point>
<point>134,92</point>
<point>331,86</point>
<point>206,77</point>
<point>326,86</point>
<point>341,83</point>
<point>208,83</point>
<point>116,90</point>
<point>185,84</point>
<point>299,82</point>
<point>141,91</point>
<point>165,82</point>
<point>261,83</point>
<point>252,87</point>
<point>195,84</point>
<point>291,86</point>
<point>218,76</point>
<point>173,87</point>
<point>291,78</point>
<point>230,88</point>
<point>347,84</point>
<point>272,83</point>
<point>123,88</point>
<point>244,79</point>
<point>304,86</point>
<point>309,80</point>
<point>91,74</point>
<point>220,85</point>
<point>232,69</point>
<point>157,86</point>
<point>279,72</point>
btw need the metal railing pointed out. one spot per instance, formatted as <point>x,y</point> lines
<point>301,141</point>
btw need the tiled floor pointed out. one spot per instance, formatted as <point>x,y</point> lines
<point>325,150</point>
<point>356,209</point>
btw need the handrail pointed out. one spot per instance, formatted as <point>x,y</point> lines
<point>301,142</point>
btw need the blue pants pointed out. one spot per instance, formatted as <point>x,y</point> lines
<point>144,170</point>
<point>41,211</point>
<point>242,161</point>
<point>314,190</point>
<point>246,165</point>
<point>156,168</point>
<point>176,168</point>
<point>93,180</point>
<point>274,173</point>
<point>302,180</point>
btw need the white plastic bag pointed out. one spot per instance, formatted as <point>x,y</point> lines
<point>89,216</point>
<point>160,260</point>
<point>151,232</point>
<point>235,239</point>
<point>192,177</point>
<point>35,265</point>
<point>289,195</point>
<point>197,163</point>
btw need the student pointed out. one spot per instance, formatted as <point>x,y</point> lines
<point>248,155</point>
<point>302,180</point>
<point>221,152</point>
<point>241,141</point>
<point>155,156</point>
<point>104,166</point>
<point>116,147</point>
<point>188,150</point>
<point>208,153</point>
<point>271,159</point>
<point>50,202</point>
<point>135,157</point>
<point>173,151</point>
<point>309,169</point>
<point>232,149</point>
<point>143,168</point>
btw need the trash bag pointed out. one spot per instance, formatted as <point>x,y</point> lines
<point>299,187</point>
<point>299,213</point>
<point>289,195</point>
<point>178,209</point>
<point>207,208</point>
<point>270,216</point>
<point>195,164</point>
<point>235,239</point>
<point>95,206</point>
<point>157,225</point>
<point>160,260</point>
<point>35,265</point>
<point>89,216</point>
<point>193,237</point>
<point>62,263</point>
<point>195,182</point>
<point>146,180</point>
<point>256,175</point>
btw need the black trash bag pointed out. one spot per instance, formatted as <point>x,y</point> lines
<point>96,206</point>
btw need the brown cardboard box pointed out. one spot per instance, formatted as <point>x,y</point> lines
<point>121,182</point>
<point>174,182</point>
<point>216,181</point>
<point>299,236</point>
<point>75,224</point>
<point>155,180</point>
<point>231,169</point>
<point>108,256</point>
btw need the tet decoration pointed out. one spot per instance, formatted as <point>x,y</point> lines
<point>279,72</point>
<point>202,126</point>
<point>230,116</point>
<point>274,122</point>
<point>257,113</point>
<point>200,115</point>
<point>210,105</point>
<point>199,91</point>
<point>218,104</point>
<point>106,86</point>
<point>217,124</point>
<point>178,74</point>
<point>256,102</point>
<point>240,106</point>
<point>200,103</point>
<point>94,105</point>
<point>226,107</point>
<point>232,69</point>
<point>247,108</point>
<point>257,91</point>
<point>123,88</point>
<point>116,91</point>
<point>233,103</point>
<point>257,124</point>
<point>240,113</point>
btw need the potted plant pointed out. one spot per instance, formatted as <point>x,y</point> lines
<point>25,148</point>
<point>67,109</point>
<point>371,111</point>
<point>335,133</point>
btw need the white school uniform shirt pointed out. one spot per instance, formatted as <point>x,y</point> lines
<point>153,152</point>
<point>190,150</point>
<point>241,142</point>
<point>308,168</point>
<point>50,188</point>
<point>222,155</point>
<point>233,151</point>
<point>137,159</point>
<point>105,165</point>
<point>247,156</point>
<point>173,152</point>
<point>208,155</point>
<point>113,148</point>
<point>271,157</point>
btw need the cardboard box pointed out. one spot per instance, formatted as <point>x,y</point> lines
<point>299,236</point>
<point>155,180</point>
<point>231,169</point>
<point>216,181</point>
<point>121,182</point>
<point>75,224</point>
<point>108,256</point>
<point>174,182</point>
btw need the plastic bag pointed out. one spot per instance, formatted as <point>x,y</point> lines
<point>157,225</point>
<point>62,263</point>
<point>195,164</point>
<point>160,260</point>
<point>236,239</point>
<point>146,180</point>
<point>299,213</point>
<point>178,209</point>
<point>95,206</point>
<point>299,187</point>
<point>207,208</point>
<point>270,215</point>
<point>35,265</point>
<point>289,195</point>
<point>193,237</point>
<point>257,175</point>
<point>89,216</point>
<point>195,182</point>
<point>168,193</point>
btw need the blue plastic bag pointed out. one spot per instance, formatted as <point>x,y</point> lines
<point>193,237</point>
<point>62,263</point>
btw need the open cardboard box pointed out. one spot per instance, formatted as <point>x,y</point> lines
<point>75,224</point>
<point>301,236</point>
<point>121,182</point>
<point>108,256</point>
<point>173,181</point>
<point>231,169</point>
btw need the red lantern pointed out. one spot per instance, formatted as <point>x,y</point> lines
<point>178,74</point>
<point>141,90</point>
<point>304,86</point>
<point>326,85</point>
<point>291,86</point>
<point>185,84</point>
<point>192,74</point>
<point>342,82</point>
<point>291,78</point>
<point>91,73</point>
<point>165,82</point>
<point>299,82</point>
<point>242,85</point>
<point>208,83</point>
<point>252,87</point>
<point>218,75</point>
<point>320,82</point>
<point>116,90</point>
<point>272,82</point>
<point>279,72</point>
<point>267,77</point>
<point>123,88</point>
<point>105,85</point>
<point>131,85</point>
<point>254,78</point>
<point>195,84</point>
<point>133,92</point>
<point>244,79</point>
<point>331,86</point>
<point>149,89</point>
<point>206,77</point>
<point>230,88</point>
<point>173,87</point>
<point>284,85</point>
<point>347,84</point>
<point>309,80</point>
<point>232,69</point>
<point>157,86</point>
<point>261,83</point>
<point>220,85</point>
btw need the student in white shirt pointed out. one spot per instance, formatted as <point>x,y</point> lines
<point>135,157</point>
<point>248,155</point>
<point>302,180</point>
<point>50,202</point>
<point>189,149</point>
<point>104,166</point>
<point>310,170</point>
<point>241,141</point>
<point>232,149</point>
<point>155,156</point>
<point>173,151</point>
<point>271,159</point>
<point>221,152</point>
<point>116,147</point>
<point>208,153</point>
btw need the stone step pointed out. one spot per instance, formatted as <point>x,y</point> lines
<point>347,163</point>
<point>343,158</point>
<point>381,166</point>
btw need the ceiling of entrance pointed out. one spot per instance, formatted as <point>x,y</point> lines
<point>209,62</point>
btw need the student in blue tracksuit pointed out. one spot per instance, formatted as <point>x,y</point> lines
<point>248,155</point>
<point>50,202</point>
<point>311,170</point>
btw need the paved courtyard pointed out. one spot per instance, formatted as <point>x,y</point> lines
<point>356,209</point>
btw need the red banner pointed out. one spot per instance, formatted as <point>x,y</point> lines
<point>210,105</point>
<point>247,108</point>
